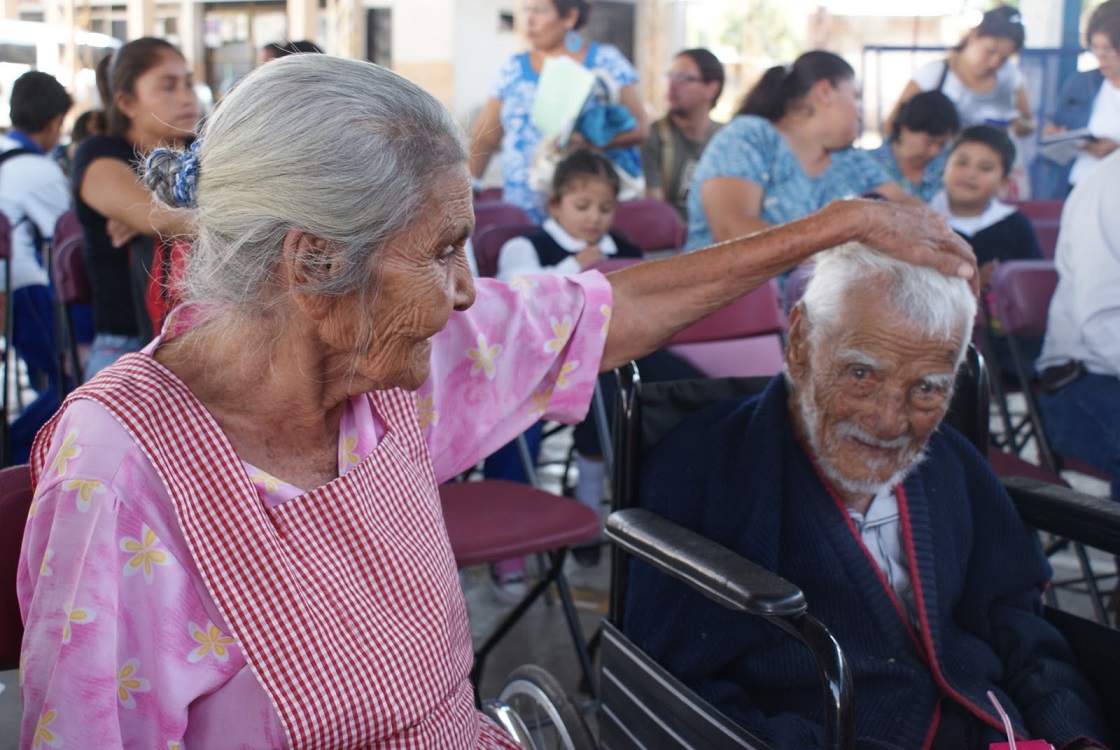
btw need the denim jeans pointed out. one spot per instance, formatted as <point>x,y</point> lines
<point>1083,421</point>
<point>108,348</point>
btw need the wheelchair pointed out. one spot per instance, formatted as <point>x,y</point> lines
<point>641,705</point>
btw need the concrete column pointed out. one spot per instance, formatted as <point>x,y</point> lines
<point>140,16</point>
<point>191,19</point>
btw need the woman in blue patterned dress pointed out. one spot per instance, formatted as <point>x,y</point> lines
<point>552,29</point>
<point>787,153</point>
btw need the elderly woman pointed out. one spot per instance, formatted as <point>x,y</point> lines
<point>236,539</point>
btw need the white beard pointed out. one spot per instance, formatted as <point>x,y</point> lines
<point>810,417</point>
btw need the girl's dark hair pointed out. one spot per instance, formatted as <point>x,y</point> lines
<point>1105,20</point>
<point>299,47</point>
<point>564,7</point>
<point>129,63</point>
<point>1002,22</point>
<point>90,122</point>
<point>781,86</point>
<point>994,138</point>
<point>583,164</point>
<point>928,112</point>
<point>711,69</point>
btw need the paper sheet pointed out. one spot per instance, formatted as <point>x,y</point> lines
<point>1065,146</point>
<point>561,92</point>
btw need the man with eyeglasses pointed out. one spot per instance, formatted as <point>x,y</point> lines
<point>675,141</point>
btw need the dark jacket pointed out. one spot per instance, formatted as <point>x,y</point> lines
<point>736,474</point>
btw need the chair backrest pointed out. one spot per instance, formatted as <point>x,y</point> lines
<point>742,339</point>
<point>15,500</point>
<point>1021,292</point>
<point>490,214</point>
<point>652,225</point>
<point>488,245</point>
<point>71,279</point>
<point>1046,230</point>
<point>67,226</point>
<point>1040,209</point>
<point>490,194</point>
<point>5,237</point>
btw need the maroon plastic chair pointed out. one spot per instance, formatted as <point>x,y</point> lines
<point>15,500</point>
<point>9,360</point>
<point>490,214</point>
<point>71,287</point>
<point>1040,208</point>
<point>1021,292</point>
<point>489,194</point>
<point>744,339</point>
<point>488,245</point>
<point>1047,232</point>
<point>652,225</point>
<point>490,520</point>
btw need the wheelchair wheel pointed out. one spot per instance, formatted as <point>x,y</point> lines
<point>553,721</point>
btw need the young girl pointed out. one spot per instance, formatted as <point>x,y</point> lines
<point>576,235</point>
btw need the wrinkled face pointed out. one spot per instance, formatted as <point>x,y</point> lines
<point>687,90</point>
<point>544,26</point>
<point>917,147</point>
<point>842,106</point>
<point>867,397</point>
<point>423,277</point>
<point>1107,56</point>
<point>973,176</point>
<point>586,209</point>
<point>984,55</point>
<point>163,106</point>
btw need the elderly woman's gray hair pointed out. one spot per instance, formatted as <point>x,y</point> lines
<point>344,150</point>
<point>939,306</point>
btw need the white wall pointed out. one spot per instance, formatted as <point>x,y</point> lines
<point>480,49</point>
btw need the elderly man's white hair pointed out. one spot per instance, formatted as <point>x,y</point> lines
<point>939,306</point>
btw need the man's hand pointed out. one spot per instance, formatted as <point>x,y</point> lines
<point>914,234</point>
<point>1100,147</point>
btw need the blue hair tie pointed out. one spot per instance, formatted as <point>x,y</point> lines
<point>186,176</point>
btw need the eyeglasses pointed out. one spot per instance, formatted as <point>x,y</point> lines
<point>683,79</point>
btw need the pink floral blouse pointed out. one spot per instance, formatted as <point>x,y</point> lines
<point>124,646</point>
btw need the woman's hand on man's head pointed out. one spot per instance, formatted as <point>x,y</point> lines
<point>911,233</point>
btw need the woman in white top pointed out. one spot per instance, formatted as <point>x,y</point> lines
<point>979,76</point>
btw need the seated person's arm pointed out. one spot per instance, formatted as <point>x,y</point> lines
<point>732,206</point>
<point>1023,124</point>
<point>112,189</point>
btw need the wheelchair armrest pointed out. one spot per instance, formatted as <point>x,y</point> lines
<point>1093,521</point>
<point>715,571</point>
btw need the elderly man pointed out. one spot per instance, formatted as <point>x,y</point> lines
<point>839,478</point>
<point>675,142</point>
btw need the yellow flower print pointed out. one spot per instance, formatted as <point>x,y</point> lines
<point>540,402</point>
<point>86,488</point>
<point>44,569</point>
<point>563,330</point>
<point>606,311</point>
<point>211,642</point>
<point>426,412</point>
<point>43,734</point>
<point>523,285</point>
<point>75,616</point>
<point>173,745</point>
<point>144,553</point>
<point>568,368</point>
<point>128,683</point>
<point>263,477</point>
<point>34,503</point>
<point>349,451</point>
<point>483,357</point>
<point>66,452</point>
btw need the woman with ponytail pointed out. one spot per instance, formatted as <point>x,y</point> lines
<point>149,102</point>
<point>787,153</point>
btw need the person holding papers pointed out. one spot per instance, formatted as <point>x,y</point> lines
<point>1090,100</point>
<point>552,28</point>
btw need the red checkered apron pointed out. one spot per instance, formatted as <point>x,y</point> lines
<point>345,600</point>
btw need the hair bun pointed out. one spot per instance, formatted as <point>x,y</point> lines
<point>173,177</point>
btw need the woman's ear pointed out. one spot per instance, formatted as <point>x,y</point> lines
<point>306,259</point>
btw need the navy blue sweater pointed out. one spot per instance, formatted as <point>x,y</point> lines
<point>736,474</point>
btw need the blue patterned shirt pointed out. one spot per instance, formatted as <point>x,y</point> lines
<point>928,186</point>
<point>749,148</point>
